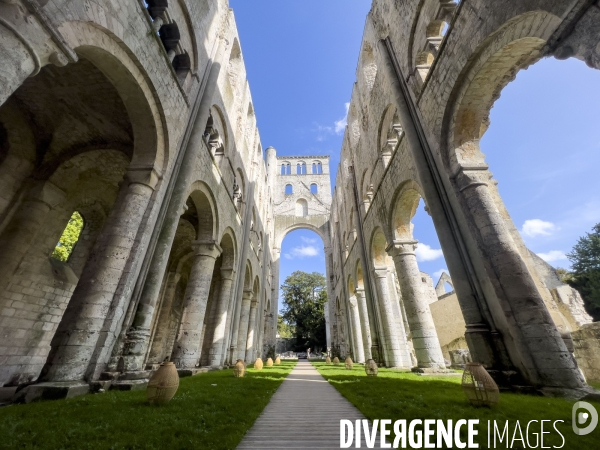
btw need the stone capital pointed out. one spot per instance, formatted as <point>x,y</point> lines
<point>247,295</point>
<point>469,177</point>
<point>380,272</point>
<point>145,175</point>
<point>360,292</point>
<point>206,248</point>
<point>227,274</point>
<point>400,247</point>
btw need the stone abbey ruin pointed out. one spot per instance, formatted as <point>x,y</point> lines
<point>137,116</point>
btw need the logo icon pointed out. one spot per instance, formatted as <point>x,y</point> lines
<point>580,418</point>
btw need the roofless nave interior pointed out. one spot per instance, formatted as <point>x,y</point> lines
<point>139,118</point>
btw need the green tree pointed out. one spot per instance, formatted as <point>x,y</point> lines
<point>284,329</point>
<point>585,276</point>
<point>69,238</point>
<point>304,297</point>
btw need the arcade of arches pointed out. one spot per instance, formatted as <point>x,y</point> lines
<point>139,118</point>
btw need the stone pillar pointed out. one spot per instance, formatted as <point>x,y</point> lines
<point>401,323</point>
<point>361,299</point>
<point>75,340</point>
<point>251,332</point>
<point>243,326</point>
<point>527,316</point>
<point>327,326</point>
<point>359,347</point>
<point>161,333</point>
<point>29,218</point>
<point>341,332</point>
<point>422,329</point>
<point>186,352</point>
<point>485,343</point>
<point>388,322</point>
<point>138,335</point>
<point>217,355</point>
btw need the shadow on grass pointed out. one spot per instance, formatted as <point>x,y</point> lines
<point>212,410</point>
<point>397,395</point>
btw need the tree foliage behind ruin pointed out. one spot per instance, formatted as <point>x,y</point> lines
<point>585,275</point>
<point>304,298</point>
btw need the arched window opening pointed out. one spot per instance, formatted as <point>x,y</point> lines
<point>301,168</point>
<point>182,65</point>
<point>213,137</point>
<point>314,189</point>
<point>314,168</point>
<point>391,133</point>
<point>68,238</point>
<point>319,168</point>
<point>435,33</point>
<point>423,63</point>
<point>289,190</point>
<point>283,169</point>
<point>301,208</point>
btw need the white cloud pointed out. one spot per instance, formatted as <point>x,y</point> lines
<point>308,240</point>
<point>552,255</point>
<point>425,253</point>
<point>340,125</point>
<point>537,227</point>
<point>302,251</point>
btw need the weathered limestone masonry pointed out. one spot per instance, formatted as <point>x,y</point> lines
<point>427,77</point>
<point>138,116</point>
<point>301,199</point>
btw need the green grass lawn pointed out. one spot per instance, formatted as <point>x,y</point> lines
<point>402,395</point>
<point>210,411</point>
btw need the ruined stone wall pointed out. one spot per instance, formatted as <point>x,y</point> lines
<point>427,76</point>
<point>130,87</point>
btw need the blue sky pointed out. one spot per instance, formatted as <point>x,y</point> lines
<point>543,145</point>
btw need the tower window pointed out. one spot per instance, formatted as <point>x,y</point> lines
<point>289,190</point>
<point>314,189</point>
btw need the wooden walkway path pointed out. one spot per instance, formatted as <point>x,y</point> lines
<point>304,413</point>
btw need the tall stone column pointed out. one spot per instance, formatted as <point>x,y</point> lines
<point>216,355</point>
<point>524,310</point>
<point>401,323</point>
<point>186,352</point>
<point>422,329</point>
<point>251,332</point>
<point>388,322</point>
<point>29,218</point>
<point>75,340</point>
<point>138,335</point>
<point>341,332</point>
<point>356,330</point>
<point>243,326</point>
<point>361,299</point>
<point>162,324</point>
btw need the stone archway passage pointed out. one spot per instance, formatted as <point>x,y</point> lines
<point>305,412</point>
